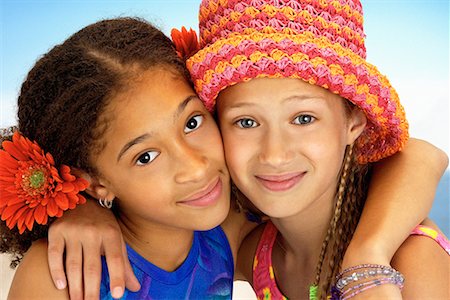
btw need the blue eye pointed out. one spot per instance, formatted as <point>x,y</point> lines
<point>246,123</point>
<point>146,158</point>
<point>303,119</point>
<point>193,123</point>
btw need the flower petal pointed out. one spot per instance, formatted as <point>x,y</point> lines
<point>7,179</point>
<point>81,184</point>
<point>67,187</point>
<point>62,201</point>
<point>11,199</point>
<point>7,161</point>
<point>40,214</point>
<point>14,151</point>
<point>20,213</point>
<point>10,210</point>
<point>29,220</point>
<point>64,171</point>
<point>81,200</point>
<point>52,208</point>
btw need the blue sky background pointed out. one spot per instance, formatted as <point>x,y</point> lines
<point>408,40</point>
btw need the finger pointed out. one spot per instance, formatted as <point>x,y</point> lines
<point>131,282</point>
<point>115,262</point>
<point>92,270</point>
<point>74,258</point>
<point>56,246</point>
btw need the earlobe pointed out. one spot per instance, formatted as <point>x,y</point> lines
<point>357,123</point>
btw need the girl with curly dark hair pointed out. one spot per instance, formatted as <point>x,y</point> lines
<point>114,103</point>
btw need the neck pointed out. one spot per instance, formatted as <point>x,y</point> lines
<point>304,233</point>
<point>155,242</point>
<point>300,241</point>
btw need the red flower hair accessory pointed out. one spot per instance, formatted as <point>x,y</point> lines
<point>186,42</point>
<point>32,189</point>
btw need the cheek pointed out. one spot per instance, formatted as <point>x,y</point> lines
<point>237,155</point>
<point>326,150</point>
<point>210,142</point>
<point>143,192</point>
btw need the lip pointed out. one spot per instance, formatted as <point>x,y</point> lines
<point>205,197</point>
<point>280,183</point>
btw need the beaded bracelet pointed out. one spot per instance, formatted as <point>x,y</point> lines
<point>377,281</point>
<point>382,274</point>
<point>355,276</point>
<point>365,286</point>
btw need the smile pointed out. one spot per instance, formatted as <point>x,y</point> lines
<point>280,183</point>
<point>206,196</point>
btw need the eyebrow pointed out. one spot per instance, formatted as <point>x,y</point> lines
<point>301,98</point>
<point>183,105</point>
<point>145,136</point>
<point>131,143</point>
<point>288,99</point>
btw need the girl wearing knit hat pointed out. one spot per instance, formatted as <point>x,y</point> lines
<point>302,115</point>
<point>297,175</point>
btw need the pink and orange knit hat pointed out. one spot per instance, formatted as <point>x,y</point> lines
<point>318,41</point>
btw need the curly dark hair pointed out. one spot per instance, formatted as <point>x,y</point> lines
<point>61,101</point>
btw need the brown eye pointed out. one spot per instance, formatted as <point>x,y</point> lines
<point>193,123</point>
<point>146,158</point>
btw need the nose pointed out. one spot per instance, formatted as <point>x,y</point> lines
<point>191,164</point>
<point>276,149</point>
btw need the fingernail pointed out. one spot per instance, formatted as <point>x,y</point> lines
<point>60,285</point>
<point>117,292</point>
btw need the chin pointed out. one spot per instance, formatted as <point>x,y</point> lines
<point>214,216</point>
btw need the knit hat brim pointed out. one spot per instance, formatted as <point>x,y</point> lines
<point>239,58</point>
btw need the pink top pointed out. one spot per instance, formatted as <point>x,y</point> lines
<point>264,282</point>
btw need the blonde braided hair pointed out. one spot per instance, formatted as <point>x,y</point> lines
<point>350,198</point>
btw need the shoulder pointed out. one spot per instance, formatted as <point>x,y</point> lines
<point>34,274</point>
<point>246,254</point>
<point>425,266</point>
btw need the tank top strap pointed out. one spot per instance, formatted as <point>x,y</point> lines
<point>264,282</point>
<point>433,234</point>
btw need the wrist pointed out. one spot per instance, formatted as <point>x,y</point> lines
<point>367,252</point>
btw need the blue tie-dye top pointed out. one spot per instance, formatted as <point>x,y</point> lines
<point>207,272</point>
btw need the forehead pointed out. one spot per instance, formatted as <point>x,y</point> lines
<point>154,91</point>
<point>147,103</point>
<point>258,90</point>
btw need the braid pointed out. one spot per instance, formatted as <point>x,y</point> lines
<point>350,197</point>
<point>337,212</point>
<point>352,205</point>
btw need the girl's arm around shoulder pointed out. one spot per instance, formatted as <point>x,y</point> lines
<point>400,196</point>
<point>425,266</point>
<point>32,279</point>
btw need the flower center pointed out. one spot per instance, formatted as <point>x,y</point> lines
<point>33,180</point>
<point>37,179</point>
